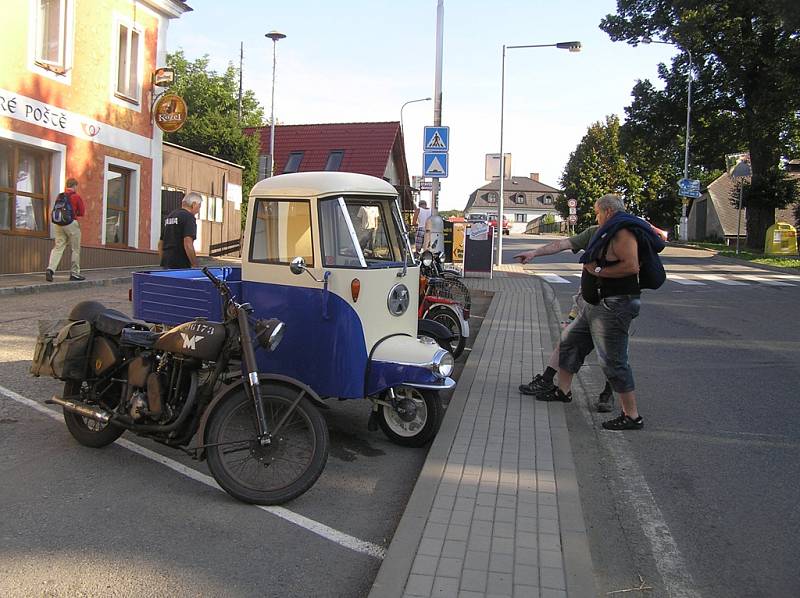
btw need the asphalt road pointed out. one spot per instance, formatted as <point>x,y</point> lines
<point>703,501</point>
<point>115,522</point>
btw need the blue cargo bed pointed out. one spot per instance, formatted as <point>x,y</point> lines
<point>176,296</point>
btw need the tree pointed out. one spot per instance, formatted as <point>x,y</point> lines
<point>595,168</point>
<point>749,52</point>
<point>212,126</point>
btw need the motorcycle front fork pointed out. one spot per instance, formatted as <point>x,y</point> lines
<point>250,366</point>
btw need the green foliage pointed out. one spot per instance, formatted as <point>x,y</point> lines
<point>595,168</point>
<point>212,126</point>
<point>448,213</point>
<point>745,56</point>
<point>548,219</point>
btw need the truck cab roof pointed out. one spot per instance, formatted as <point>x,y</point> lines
<point>312,184</point>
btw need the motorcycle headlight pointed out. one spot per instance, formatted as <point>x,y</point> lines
<point>398,299</point>
<point>269,333</point>
<point>443,363</point>
<point>427,259</point>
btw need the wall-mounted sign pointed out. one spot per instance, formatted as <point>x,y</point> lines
<point>170,112</point>
<point>163,77</point>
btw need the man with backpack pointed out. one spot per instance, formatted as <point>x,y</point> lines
<point>619,261</point>
<point>67,208</point>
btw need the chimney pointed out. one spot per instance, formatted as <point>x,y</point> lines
<point>535,176</point>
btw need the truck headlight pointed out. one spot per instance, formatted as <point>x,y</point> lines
<point>443,363</point>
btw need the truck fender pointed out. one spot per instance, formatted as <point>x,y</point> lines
<point>239,386</point>
<point>435,329</point>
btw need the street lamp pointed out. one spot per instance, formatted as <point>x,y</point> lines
<point>572,47</point>
<point>274,36</point>
<point>404,105</point>
<point>682,232</point>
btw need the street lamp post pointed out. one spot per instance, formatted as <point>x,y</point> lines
<point>402,130</point>
<point>572,47</point>
<point>685,201</point>
<point>274,36</point>
<point>739,173</point>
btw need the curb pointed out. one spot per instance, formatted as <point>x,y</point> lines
<point>396,568</point>
<point>62,286</point>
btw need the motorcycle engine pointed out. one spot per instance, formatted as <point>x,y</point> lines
<point>147,390</point>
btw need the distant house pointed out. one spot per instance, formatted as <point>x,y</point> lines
<point>525,198</point>
<point>375,149</point>
<point>714,217</point>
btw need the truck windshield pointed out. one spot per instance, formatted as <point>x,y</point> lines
<point>359,232</point>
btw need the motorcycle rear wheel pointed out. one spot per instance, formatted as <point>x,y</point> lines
<point>418,423</point>
<point>278,472</point>
<point>87,431</point>
<point>445,315</point>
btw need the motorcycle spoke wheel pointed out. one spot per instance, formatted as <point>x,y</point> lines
<point>415,418</point>
<point>450,320</point>
<point>279,471</point>
<point>86,431</point>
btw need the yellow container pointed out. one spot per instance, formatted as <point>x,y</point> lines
<point>458,241</point>
<point>781,239</point>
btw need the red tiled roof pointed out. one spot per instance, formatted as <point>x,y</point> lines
<point>367,146</point>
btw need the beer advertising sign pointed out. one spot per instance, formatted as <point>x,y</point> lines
<point>170,112</point>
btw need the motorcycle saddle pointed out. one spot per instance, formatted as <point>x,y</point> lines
<point>104,319</point>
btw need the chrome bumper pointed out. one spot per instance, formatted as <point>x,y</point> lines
<point>445,384</point>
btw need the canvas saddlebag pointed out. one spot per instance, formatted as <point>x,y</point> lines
<point>61,349</point>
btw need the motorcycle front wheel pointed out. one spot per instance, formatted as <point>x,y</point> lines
<point>445,315</point>
<point>88,432</point>
<point>275,473</point>
<point>414,418</point>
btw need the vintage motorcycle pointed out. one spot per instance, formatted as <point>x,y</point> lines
<point>266,443</point>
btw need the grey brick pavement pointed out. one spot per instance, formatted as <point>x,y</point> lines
<point>496,510</point>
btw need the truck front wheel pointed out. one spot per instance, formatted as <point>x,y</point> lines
<point>412,418</point>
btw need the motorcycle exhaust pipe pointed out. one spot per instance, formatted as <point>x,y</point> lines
<point>84,410</point>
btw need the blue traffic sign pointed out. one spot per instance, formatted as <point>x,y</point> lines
<point>434,164</point>
<point>689,188</point>
<point>436,139</point>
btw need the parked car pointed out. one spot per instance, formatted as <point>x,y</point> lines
<point>506,224</point>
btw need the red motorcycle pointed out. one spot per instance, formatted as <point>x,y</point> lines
<point>447,302</point>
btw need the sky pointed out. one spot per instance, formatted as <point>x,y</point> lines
<point>360,61</point>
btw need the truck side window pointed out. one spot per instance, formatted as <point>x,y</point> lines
<point>281,232</point>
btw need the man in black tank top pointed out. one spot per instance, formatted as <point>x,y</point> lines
<point>610,287</point>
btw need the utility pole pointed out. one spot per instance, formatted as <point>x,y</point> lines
<point>241,60</point>
<point>434,227</point>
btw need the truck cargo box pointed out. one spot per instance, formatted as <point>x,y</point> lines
<point>176,296</point>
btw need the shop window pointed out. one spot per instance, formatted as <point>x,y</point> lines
<point>293,163</point>
<point>128,49</point>
<point>334,160</point>
<point>23,189</point>
<point>281,232</point>
<point>520,218</point>
<point>51,34</point>
<point>118,183</point>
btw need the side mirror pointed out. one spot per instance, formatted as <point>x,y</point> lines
<point>298,265</point>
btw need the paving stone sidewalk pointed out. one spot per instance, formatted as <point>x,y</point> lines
<point>496,511</point>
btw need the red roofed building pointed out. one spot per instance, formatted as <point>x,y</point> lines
<point>375,149</point>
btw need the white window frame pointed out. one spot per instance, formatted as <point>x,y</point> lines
<point>133,201</point>
<point>117,97</point>
<point>60,70</point>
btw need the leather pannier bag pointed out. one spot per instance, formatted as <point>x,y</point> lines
<point>61,349</point>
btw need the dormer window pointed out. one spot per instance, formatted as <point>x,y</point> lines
<point>519,198</point>
<point>547,199</point>
<point>491,197</point>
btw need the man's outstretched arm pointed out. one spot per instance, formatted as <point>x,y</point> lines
<point>549,249</point>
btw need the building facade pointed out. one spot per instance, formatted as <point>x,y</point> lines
<point>75,101</point>
<point>524,200</point>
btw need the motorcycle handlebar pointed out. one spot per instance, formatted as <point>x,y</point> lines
<point>222,287</point>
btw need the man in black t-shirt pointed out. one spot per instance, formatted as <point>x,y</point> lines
<point>176,246</point>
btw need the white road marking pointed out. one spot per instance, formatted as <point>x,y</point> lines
<point>721,279</point>
<point>767,281</point>
<point>315,527</point>
<point>550,277</point>
<point>678,582</point>
<point>683,280</point>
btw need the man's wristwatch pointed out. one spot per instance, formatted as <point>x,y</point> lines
<point>597,269</point>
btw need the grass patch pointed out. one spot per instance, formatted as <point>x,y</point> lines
<point>789,261</point>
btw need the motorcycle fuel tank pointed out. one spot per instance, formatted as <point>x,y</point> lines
<point>199,338</point>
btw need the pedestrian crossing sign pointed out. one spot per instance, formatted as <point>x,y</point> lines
<point>434,165</point>
<point>436,139</point>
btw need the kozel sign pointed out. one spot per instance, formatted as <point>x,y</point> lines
<point>170,112</point>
